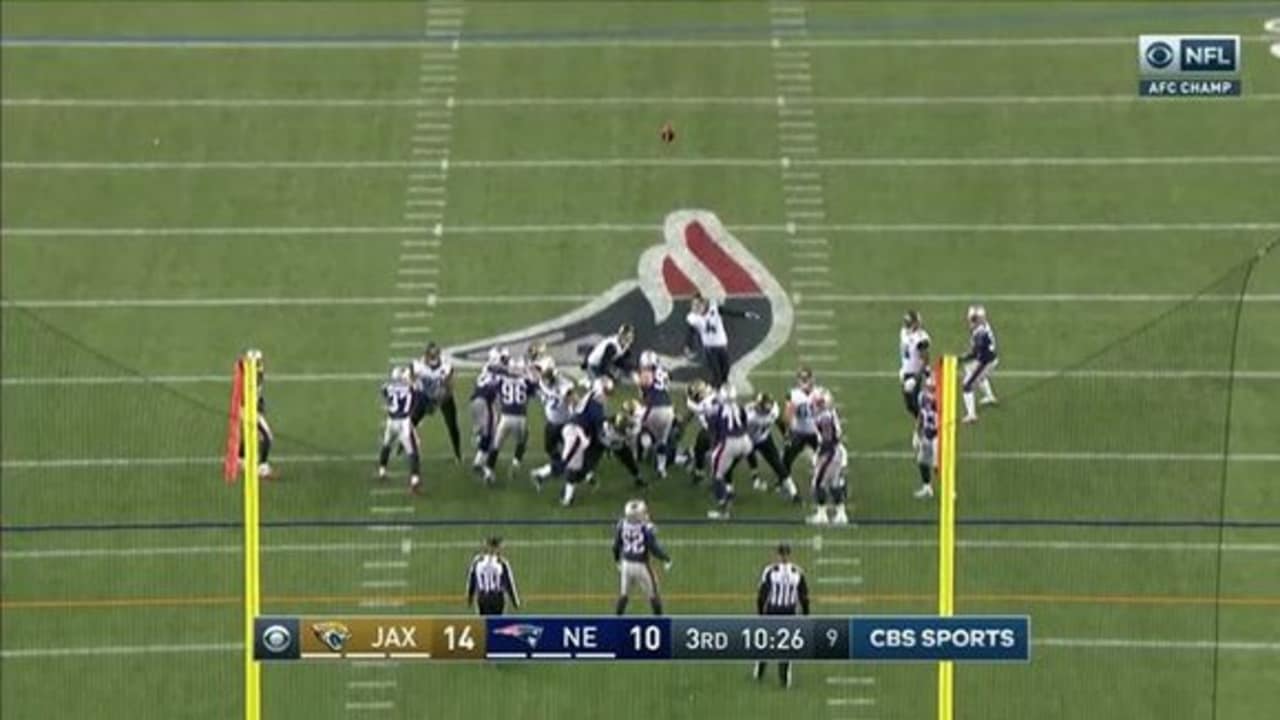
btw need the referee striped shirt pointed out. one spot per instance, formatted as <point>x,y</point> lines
<point>782,590</point>
<point>491,575</point>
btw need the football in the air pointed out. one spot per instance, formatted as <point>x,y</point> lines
<point>668,133</point>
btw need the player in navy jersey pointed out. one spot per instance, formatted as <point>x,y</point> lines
<point>571,461</point>
<point>635,541</point>
<point>703,403</point>
<point>483,396</point>
<point>265,436</point>
<point>514,389</point>
<point>762,416</point>
<point>925,439</point>
<point>433,388</point>
<point>979,362</point>
<point>591,415</point>
<point>732,443</point>
<point>829,465</point>
<point>621,436</point>
<point>658,415</point>
<point>397,396</point>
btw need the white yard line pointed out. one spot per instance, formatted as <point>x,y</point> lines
<point>556,229</point>
<point>743,543</point>
<point>606,103</point>
<point>790,154</point>
<point>439,39</point>
<point>93,463</point>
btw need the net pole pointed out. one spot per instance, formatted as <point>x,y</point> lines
<point>946,521</point>
<point>252,576</point>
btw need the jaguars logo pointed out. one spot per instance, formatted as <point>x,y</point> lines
<point>334,635</point>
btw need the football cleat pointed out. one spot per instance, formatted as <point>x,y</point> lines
<point>758,483</point>
<point>841,517</point>
<point>969,419</point>
<point>925,491</point>
<point>717,514</point>
<point>415,484</point>
<point>819,517</point>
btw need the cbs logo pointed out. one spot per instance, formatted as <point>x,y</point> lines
<point>277,638</point>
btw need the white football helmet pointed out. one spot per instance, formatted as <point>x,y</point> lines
<point>401,374</point>
<point>977,313</point>
<point>635,509</point>
<point>648,359</point>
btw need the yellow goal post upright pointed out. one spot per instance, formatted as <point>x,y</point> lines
<point>947,406</point>
<point>248,376</point>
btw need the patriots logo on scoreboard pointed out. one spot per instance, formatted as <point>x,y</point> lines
<point>529,634</point>
<point>334,635</point>
<point>698,255</point>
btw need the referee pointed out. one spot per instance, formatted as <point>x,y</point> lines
<point>490,580</point>
<point>783,590</point>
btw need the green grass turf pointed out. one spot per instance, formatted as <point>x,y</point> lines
<point>178,587</point>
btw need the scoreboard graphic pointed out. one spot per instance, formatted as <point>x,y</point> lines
<point>873,638</point>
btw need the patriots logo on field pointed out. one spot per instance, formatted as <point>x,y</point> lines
<point>333,634</point>
<point>529,634</point>
<point>698,255</point>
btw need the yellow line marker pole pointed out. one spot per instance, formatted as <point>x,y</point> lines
<point>946,522</point>
<point>252,576</point>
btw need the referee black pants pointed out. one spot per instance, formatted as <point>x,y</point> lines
<point>491,603</point>
<point>784,668</point>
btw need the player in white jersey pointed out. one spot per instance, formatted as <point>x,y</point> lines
<point>979,362</point>
<point>658,416</point>
<point>926,438</point>
<point>552,391</point>
<point>706,327</point>
<point>610,356</point>
<point>265,436</point>
<point>799,417</point>
<point>703,404</point>
<point>433,388</point>
<point>397,396</point>
<point>621,438</point>
<point>913,353</point>
<point>762,415</point>
<point>572,462</point>
<point>830,463</point>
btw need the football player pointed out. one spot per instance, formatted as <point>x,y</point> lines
<point>979,362</point>
<point>265,436</point>
<point>590,415</point>
<point>515,386</point>
<point>703,404</point>
<point>913,350</point>
<point>610,356</point>
<point>571,463</point>
<point>433,387</point>
<point>729,428</point>
<point>552,390</point>
<point>482,398</point>
<point>707,331</point>
<point>658,416</point>
<point>621,435</point>
<point>829,465</point>
<point>762,415</point>
<point>799,416</point>
<point>397,396</point>
<point>635,541</point>
<point>926,438</point>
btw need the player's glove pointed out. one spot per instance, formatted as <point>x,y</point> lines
<point>667,565</point>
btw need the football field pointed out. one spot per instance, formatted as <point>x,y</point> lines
<point>339,183</point>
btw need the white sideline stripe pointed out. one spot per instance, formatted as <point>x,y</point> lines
<point>850,680</point>
<point>851,702</point>
<point>386,564</point>
<point>1072,456</point>
<point>1267,226</point>
<point>789,40</point>
<point>741,542</point>
<point>647,162</point>
<point>1135,644</point>
<point>802,327</point>
<point>838,580</point>
<point>384,583</point>
<point>16,653</point>
<point>763,101</point>
<point>377,705</point>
